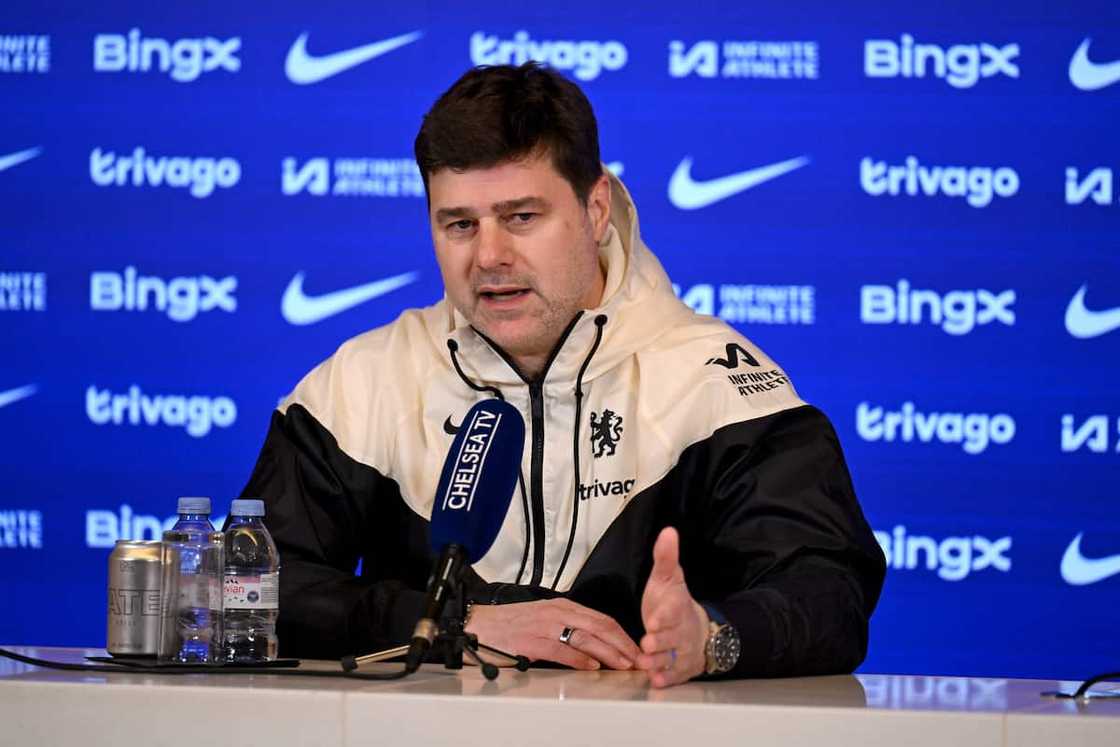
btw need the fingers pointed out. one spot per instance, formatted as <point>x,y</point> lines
<point>567,655</point>
<point>602,651</point>
<point>668,677</point>
<point>602,627</point>
<point>667,611</point>
<point>659,661</point>
<point>666,557</point>
<point>533,629</point>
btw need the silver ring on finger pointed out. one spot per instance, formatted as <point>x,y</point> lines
<point>566,635</point>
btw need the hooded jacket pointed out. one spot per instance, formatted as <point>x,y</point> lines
<point>647,415</point>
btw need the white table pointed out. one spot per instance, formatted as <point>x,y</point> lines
<point>539,707</point>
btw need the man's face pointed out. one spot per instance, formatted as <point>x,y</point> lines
<point>518,252</point>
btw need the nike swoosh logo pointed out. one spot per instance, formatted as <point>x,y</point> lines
<point>304,69</point>
<point>301,309</point>
<point>15,395</point>
<point>692,195</point>
<point>450,428</point>
<point>15,159</point>
<point>1091,76</point>
<point>1083,323</point>
<point>1079,570</point>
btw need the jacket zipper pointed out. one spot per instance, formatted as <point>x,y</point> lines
<point>536,456</point>
<point>536,478</point>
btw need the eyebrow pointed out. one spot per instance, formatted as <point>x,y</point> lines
<point>505,206</point>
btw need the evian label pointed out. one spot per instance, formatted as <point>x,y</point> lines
<point>252,592</point>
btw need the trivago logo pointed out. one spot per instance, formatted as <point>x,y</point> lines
<point>953,558</point>
<point>584,59</point>
<point>973,431</point>
<point>200,175</point>
<point>977,185</point>
<point>196,414</point>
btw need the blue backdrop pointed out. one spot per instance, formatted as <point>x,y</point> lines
<point>913,209</point>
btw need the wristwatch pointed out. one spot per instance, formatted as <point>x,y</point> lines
<point>721,650</point>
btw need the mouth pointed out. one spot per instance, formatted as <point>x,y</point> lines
<point>502,294</point>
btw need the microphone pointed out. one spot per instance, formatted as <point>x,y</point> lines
<point>474,493</point>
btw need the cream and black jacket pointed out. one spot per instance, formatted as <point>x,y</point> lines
<point>647,415</point>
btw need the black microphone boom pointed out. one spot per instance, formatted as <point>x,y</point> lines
<point>444,579</point>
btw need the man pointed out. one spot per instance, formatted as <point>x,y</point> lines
<point>680,511</point>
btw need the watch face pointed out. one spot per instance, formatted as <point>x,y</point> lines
<point>725,648</point>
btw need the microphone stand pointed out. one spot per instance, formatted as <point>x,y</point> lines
<point>457,643</point>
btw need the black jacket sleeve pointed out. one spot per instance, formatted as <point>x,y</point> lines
<point>772,538</point>
<point>326,511</point>
<point>355,559</point>
<point>778,544</point>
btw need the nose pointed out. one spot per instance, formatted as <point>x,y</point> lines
<point>494,248</point>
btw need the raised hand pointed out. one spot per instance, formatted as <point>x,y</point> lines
<point>676,625</point>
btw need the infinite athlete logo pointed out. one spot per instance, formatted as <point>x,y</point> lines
<point>1097,186</point>
<point>25,54</point>
<point>21,529</point>
<point>745,59</point>
<point>1091,434</point>
<point>752,304</point>
<point>352,177</point>
<point>23,291</point>
<point>734,351</point>
<point>301,309</point>
<point>303,68</point>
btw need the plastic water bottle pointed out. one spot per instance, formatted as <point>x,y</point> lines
<point>191,559</point>
<point>252,585</point>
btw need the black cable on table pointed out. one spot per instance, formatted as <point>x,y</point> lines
<point>134,668</point>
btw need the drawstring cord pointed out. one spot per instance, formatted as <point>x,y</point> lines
<point>600,322</point>
<point>453,348</point>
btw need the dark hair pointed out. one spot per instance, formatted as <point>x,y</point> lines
<point>501,113</point>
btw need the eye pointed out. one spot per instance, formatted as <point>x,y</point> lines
<point>460,226</point>
<point>522,218</point>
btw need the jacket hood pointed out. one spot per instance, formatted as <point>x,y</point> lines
<point>638,305</point>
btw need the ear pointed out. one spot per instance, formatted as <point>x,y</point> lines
<point>599,206</point>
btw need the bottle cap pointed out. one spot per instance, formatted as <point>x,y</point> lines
<point>247,507</point>
<point>194,506</point>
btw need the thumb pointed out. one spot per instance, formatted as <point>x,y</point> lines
<point>666,557</point>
